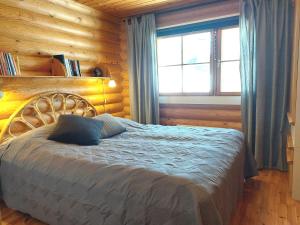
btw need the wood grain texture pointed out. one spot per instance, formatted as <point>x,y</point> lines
<point>36,29</point>
<point>201,115</point>
<point>266,201</point>
<point>198,13</point>
<point>96,91</point>
<point>136,7</point>
<point>124,70</point>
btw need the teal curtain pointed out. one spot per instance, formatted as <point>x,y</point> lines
<point>143,78</point>
<point>265,73</point>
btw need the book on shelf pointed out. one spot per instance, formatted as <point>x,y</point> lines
<point>8,66</point>
<point>72,66</point>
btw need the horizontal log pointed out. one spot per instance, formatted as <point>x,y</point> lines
<point>55,24</point>
<point>62,13</point>
<point>127,116</point>
<point>100,99</point>
<point>17,88</point>
<point>31,63</point>
<point>113,104</point>
<point>30,73</point>
<point>205,123</point>
<point>125,92</point>
<point>202,12</point>
<point>81,8</point>
<point>201,114</point>
<point>17,29</point>
<point>126,101</point>
<point>126,110</point>
<point>109,108</point>
<point>119,114</point>
<point>125,84</point>
<point>34,49</point>
<point>201,106</point>
<point>2,123</point>
<point>90,65</point>
<point>94,98</point>
<point>112,108</point>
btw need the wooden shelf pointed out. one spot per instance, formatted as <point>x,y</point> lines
<point>58,70</point>
<point>24,77</point>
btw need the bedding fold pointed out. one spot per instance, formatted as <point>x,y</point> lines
<point>151,175</point>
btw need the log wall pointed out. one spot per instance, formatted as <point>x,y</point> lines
<point>226,116</point>
<point>124,67</point>
<point>36,29</point>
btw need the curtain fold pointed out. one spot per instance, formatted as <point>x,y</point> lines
<point>142,60</point>
<point>266,39</point>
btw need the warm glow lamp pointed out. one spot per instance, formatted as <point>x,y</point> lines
<point>112,83</point>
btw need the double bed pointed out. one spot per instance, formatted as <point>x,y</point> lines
<point>148,175</point>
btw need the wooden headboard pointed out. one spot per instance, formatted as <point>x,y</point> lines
<point>44,109</point>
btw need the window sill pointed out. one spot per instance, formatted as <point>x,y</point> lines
<point>199,100</point>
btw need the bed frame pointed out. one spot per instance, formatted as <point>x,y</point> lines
<point>44,109</point>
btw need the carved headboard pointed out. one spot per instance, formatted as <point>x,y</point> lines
<point>44,109</point>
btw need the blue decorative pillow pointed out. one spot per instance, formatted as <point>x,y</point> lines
<point>112,126</point>
<point>79,130</point>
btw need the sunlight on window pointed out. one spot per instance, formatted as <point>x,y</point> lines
<point>204,62</point>
<point>230,61</point>
<point>230,77</point>
<point>196,78</point>
<point>196,48</point>
<point>169,51</point>
<point>170,79</point>
<point>230,44</point>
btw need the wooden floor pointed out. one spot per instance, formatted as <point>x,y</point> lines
<point>266,201</point>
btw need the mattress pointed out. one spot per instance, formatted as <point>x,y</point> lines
<point>148,175</point>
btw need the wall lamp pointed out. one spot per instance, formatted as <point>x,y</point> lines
<point>103,71</point>
<point>112,83</point>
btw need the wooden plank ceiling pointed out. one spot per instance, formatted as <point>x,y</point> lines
<point>124,8</point>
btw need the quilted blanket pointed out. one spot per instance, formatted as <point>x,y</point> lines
<point>148,175</point>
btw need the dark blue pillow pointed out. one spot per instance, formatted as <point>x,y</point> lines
<point>79,130</point>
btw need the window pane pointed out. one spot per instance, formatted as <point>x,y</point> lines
<point>169,51</point>
<point>230,77</point>
<point>170,79</point>
<point>196,48</point>
<point>230,43</point>
<point>196,78</point>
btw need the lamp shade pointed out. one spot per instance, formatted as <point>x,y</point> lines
<point>112,84</point>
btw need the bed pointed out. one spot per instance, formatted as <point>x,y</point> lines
<point>148,175</point>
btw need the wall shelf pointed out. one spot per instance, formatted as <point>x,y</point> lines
<point>58,70</point>
<point>24,77</point>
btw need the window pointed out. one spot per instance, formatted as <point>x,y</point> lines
<point>229,61</point>
<point>202,63</point>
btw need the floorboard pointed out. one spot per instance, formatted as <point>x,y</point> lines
<point>266,201</point>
